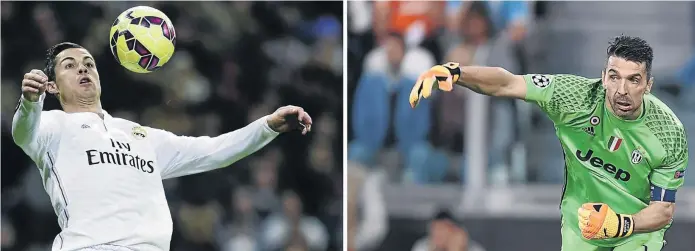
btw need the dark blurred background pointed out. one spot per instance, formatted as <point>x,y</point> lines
<point>234,62</point>
<point>494,163</point>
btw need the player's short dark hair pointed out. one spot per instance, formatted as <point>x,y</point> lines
<point>634,49</point>
<point>443,214</point>
<point>51,54</point>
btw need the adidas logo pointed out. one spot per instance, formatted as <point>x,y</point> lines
<point>590,130</point>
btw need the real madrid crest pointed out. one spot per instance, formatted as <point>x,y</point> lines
<point>636,157</point>
<point>139,132</point>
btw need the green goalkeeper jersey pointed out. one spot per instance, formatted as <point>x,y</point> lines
<point>608,159</point>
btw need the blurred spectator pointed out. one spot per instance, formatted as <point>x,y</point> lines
<point>416,21</point>
<point>239,232</point>
<point>411,37</point>
<point>292,229</point>
<point>388,75</point>
<point>368,219</point>
<point>234,62</point>
<point>445,234</point>
<point>263,193</point>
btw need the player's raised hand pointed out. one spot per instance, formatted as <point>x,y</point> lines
<point>34,84</point>
<point>288,118</point>
<point>443,75</point>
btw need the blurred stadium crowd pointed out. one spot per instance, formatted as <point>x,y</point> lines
<point>390,43</point>
<point>235,62</point>
<point>405,162</point>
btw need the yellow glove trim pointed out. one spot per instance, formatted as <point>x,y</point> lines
<point>599,221</point>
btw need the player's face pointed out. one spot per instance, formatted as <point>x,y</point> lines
<point>625,82</point>
<point>439,232</point>
<point>77,77</point>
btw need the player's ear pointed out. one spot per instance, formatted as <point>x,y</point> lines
<point>650,82</point>
<point>51,87</point>
<point>603,79</point>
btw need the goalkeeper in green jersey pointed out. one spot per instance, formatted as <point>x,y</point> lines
<point>625,150</point>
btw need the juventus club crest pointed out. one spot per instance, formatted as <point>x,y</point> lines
<point>636,157</point>
<point>614,143</point>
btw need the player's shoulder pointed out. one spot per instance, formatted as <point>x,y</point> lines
<point>126,122</point>
<point>660,117</point>
<point>53,115</point>
<point>571,93</point>
<point>663,123</point>
<point>571,80</point>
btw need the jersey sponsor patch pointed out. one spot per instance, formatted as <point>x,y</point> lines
<point>679,174</point>
<point>594,120</point>
<point>139,132</point>
<point>636,157</point>
<point>541,81</point>
<point>614,143</point>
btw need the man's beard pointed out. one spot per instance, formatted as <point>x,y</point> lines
<point>624,107</point>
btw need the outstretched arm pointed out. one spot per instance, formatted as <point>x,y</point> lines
<point>180,155</point>
<point>493,81</point>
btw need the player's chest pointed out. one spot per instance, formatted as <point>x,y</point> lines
<point>608,149</point>
<point>85,133</point>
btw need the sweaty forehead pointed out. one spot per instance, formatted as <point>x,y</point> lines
<point>76,53</point>
<point>625,67</point>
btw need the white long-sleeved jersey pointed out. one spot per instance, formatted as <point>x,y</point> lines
<point>104,176</point>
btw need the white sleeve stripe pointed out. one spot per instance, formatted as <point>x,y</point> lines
<point>62,190</point>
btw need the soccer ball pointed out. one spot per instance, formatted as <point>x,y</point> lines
<point>142,39</point>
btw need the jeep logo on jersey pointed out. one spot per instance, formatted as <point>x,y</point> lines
<point>596,161</point>
<point>542,81</point>
<point>636,157</point>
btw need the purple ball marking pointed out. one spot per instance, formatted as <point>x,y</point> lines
<point>127,35</point>
<point>145,23</point>
<point>130,44</point>
<point>166,31</point>
<point>135,21</point>
<point>140,49</point>
<point>154,20</point>
<point>153,63</point>
<point>145,61</point>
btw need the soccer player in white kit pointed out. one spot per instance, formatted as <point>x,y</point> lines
<point>104,174</point>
